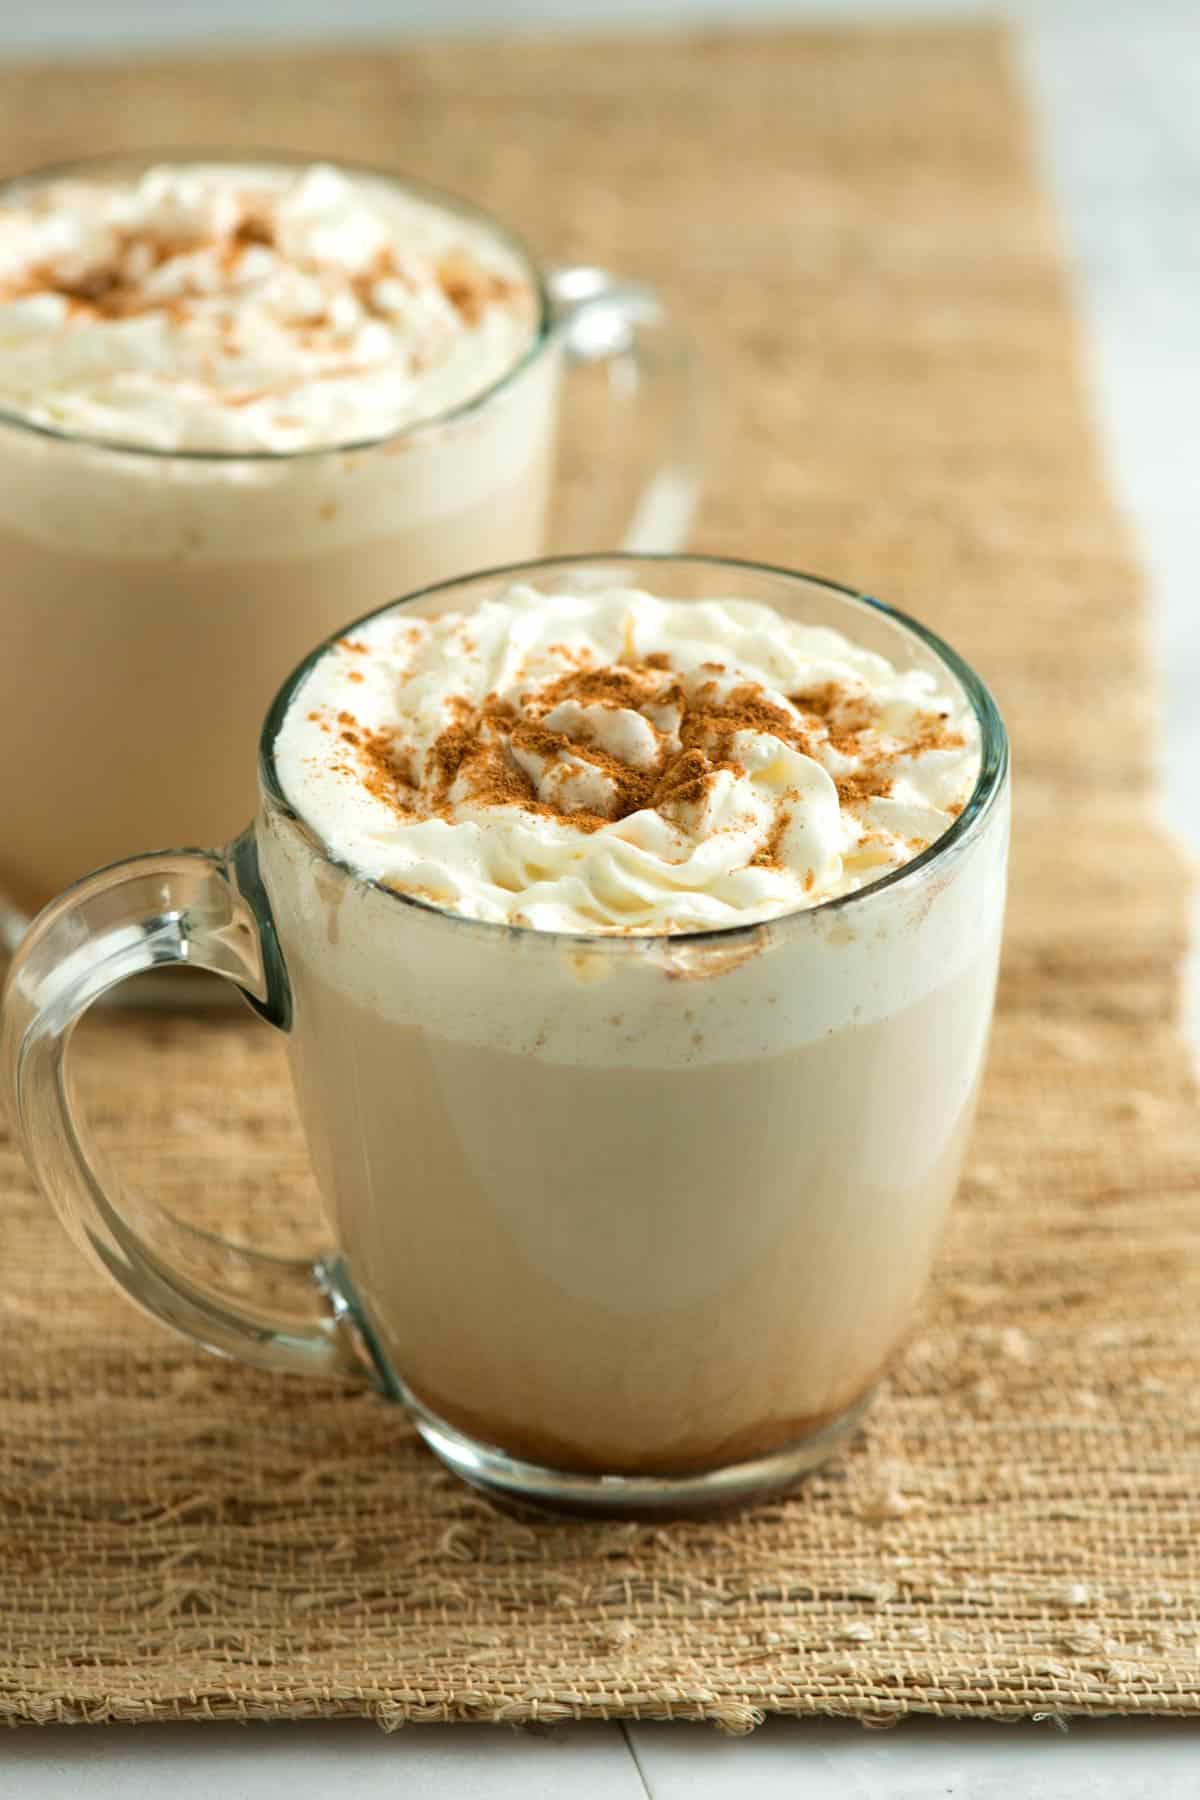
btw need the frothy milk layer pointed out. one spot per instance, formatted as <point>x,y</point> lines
<point>614,763</point>
<point>249,308</point>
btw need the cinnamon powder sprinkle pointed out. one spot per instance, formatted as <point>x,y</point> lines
<point>448,752</point>
<point>473,756</point>
<point>113,290</point>
<point>471,289</point>
<point>769,856</point>
<point>871,784</point>
<point>685,782</point>
<point>845,715</point>
<point>715,722</point>
<point>384,769</point>
<point>254,228</point>
<point>615,685</point>
<point>382,267</point>
<point>633,789</point>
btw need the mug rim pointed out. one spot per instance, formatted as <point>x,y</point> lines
<point>965,829</point>
<point>442,198</point>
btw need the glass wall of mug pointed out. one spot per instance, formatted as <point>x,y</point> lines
<point>156,598</point>
<point>644,1208</point>
<point>629,1223</point>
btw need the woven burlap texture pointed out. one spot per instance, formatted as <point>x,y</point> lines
<point>850,223</point>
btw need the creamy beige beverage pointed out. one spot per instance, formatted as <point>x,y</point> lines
<point>236,406</point>
<point>636,1036</point>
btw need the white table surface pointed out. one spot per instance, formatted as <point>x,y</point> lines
<point>1117,90</point>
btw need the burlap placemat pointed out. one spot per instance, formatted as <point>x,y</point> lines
<point>851,223</point>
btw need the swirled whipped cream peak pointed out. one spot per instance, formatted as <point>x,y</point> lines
<point>611,762</point>
<point>252,308</point>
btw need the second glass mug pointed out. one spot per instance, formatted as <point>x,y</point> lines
<point>628,1223</point>
<point>129,624</point>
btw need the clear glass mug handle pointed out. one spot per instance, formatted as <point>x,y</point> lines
<point>653,395</point>
<point>206,910</point>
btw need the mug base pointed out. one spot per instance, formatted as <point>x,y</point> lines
<point>513,1482</point>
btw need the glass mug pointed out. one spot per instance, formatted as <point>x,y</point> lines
<point>139,584</point>
<point>627,1223</point>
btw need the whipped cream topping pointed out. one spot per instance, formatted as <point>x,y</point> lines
<point>611,762</point>
<point>215,307</point>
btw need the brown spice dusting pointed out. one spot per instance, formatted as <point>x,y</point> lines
<point>115,286</point>
<point>471,289</point>
<point>93,289</point>
<point>616,685</point>
<point>632,789</point>
<point>871,784</point>
<point>829,697</point>
<point>686,781</point>
<point>229,255</point>
<point>538,741</point>
<point>714,723</point>
<point>385,771</point>
<point>476,755</point>
<point>769,856</point>
<point>382,267</point>
<point>109,289</point>
<point>492,778</point>
<point>930,733</point>
<point>354,675</point>
<point>846,714</point>
<point>578,659</point>
<point>248,396</point>
<point>254,228</point>
<point>658,659</point>
<point>447,752</point>
<point>852,726</point>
